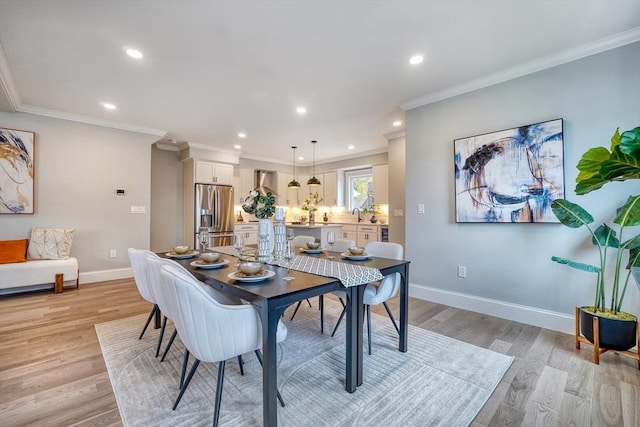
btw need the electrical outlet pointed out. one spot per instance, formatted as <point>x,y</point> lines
<point>112,253</point>
<point>138,209</point>
<point>462,271</point>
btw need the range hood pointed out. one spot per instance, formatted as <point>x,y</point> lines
<point>266,181</point>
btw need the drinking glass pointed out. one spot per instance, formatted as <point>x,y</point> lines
<point>203,237</point>
<point>238,244</point>
<point>290,234</point>
<point>288,256</point>
<point>331,239</point>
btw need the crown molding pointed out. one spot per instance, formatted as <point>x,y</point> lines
<point>7,84</point>
<point>602,45</point>
<point>89,120</point>
<point>394,135</point>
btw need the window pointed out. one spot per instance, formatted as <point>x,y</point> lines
<point>359,185</point>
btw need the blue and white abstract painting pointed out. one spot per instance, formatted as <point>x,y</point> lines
<point>511,175</point>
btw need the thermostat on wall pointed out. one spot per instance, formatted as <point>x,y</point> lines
<point>120,192</point>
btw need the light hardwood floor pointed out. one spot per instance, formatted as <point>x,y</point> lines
<point>52,372</point>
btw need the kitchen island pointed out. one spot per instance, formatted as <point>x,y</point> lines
<point>318,230</point>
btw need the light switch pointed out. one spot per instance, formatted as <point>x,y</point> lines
<point>138,209</point>
<point>420,208</point>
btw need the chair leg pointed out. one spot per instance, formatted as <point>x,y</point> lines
<point>146,324</point>
<point>344,311</point>
<point>216,411</point>
<point>309,302</point>
<point>296,310</point>
<point>164,325</point>
<point>369,327</point>
<point>259,356</point>
<point>241,362</point>
<point>391,317</point>
<point>185,362</point>
<point>186,383</point>
<point>321,307</point>
<point>166,350</point>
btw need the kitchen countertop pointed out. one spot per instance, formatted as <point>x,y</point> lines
<point>316,225</point>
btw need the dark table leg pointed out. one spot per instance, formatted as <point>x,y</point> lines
<point>351,342</point>
<point>321,299</point>
<point>359,338</point>
<point>404,308</point>
<point>269,316</point>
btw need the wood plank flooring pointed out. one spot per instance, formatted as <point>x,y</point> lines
<point>52,372</point>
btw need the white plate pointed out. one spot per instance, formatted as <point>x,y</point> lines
<point>311,251</point>
<point>207,265</point>
<point>362,257</point>
<point>189,254</point>
<point>263,276</point>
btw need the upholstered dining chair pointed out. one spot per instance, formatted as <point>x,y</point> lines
<point>137,257</point>
<point>301,241</point>
<point>342,245</point>
<point>211,331</point>
<point>154,266</point>
<point>377,293</point>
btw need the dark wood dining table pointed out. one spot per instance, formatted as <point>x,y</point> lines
<point>273,296</point>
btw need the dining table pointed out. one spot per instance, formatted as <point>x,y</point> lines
<point>272,296</point>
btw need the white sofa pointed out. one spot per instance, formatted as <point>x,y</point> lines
<point>38,274</point>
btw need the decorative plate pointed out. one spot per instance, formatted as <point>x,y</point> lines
<point>361,257</point>
<point>208,265</point>
<point>189,254</point>
<point>241,277</point>
<point>311,251</point>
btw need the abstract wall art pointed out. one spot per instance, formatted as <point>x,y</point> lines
<point>17,149</point>
<point>511,175</point>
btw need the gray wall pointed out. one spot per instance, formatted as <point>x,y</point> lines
<point>511,262</point>
<point>397,192</point>
<point>167,228</point>
<point>78,168</point>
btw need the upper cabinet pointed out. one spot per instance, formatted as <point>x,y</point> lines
<point>381,184</point>
<point>330,188</point>
<point>207,172</point>
<point>286,195</point>
<point>243,183</point>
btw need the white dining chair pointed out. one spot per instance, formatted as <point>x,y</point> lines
<point>211,331</point>
<point>379,293</point>
<point>342,245</point>
<point>137,257</point>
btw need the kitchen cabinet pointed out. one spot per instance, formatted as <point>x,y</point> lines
<point>381,184</point>
<point>207,172</point>
<point>330,188</point>
<point>248,231</point>
<point>304,190</point>
<point>350,232</point>
<point>367,233</point>
<point>243,183</point>
<point>286,196</point>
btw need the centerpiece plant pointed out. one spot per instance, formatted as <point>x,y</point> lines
<point>597,167</point>
<point>262,206</point>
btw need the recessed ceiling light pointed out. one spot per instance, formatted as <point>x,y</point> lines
<point>397,123</point>
<point>416,59</point>
<point>242,135</point>
<point>134,53</point>
<point>351,147</point>
<point>301,110</point>
<point>108,105</point>
<point>300,158</point>
<point>237,146</point>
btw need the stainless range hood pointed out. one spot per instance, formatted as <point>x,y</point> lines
<point>266,182</point>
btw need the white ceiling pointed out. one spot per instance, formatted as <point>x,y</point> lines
<point>215,68</point>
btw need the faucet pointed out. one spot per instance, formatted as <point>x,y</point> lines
<point>353,212</point>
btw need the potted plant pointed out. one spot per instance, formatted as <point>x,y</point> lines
<point>311,204</point>
<point>598,167</point>
<point>373,210</point>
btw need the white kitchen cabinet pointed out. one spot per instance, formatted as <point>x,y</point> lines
<point>330,188</point>
<point>350,232</point>
<point>248,231</point>
<point>207,172</point>
<point>381,184</point>
<point>246,184</point>
<point>367,234</point>
<point>304,190</point>
<point>286,196</point>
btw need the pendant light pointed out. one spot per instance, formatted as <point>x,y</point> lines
<point>294,183</point>
<point>313,181</point>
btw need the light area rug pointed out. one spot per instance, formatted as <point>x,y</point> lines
<point>439,382</point>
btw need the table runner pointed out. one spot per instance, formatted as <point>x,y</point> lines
<point>348,274</point>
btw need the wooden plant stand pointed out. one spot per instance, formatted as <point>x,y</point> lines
<point>597,350</point>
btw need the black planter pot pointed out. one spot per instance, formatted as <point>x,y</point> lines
<point>615,334</point>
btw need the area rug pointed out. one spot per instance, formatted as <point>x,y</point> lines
<point>439,382</point>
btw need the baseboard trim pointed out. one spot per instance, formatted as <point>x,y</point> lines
<point>519,313</point>
<point>105,275</point>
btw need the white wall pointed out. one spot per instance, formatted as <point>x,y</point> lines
<point>78,168</point>
<point>509,271</point>
<point>167,229</point>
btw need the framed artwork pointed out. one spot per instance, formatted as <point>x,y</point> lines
<point>17,149</point>
<point>511,175</point>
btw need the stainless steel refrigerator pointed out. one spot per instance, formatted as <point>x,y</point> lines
<point>214,210</point>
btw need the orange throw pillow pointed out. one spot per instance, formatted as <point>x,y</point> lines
<point>13,251</point>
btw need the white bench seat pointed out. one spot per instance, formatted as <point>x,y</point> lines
<point>37,274</point>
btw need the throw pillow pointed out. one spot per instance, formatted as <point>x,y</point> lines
<point>50,243</point>
<point>13,251</point>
